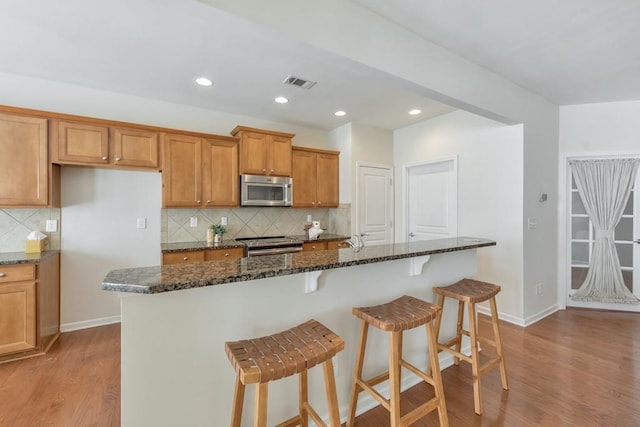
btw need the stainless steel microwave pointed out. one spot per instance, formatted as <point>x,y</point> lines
<point>259,190</point>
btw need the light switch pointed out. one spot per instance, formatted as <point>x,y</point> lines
<point>141,223</point>
<point>532,223</point>
<point>193,222</point>
<point>223,220</point>
<point>51,225</point>
<point>309,218</point>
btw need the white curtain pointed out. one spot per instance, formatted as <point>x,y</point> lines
<point>604,187</point>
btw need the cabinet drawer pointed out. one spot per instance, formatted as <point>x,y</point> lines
<point>225,253</point>
<point>182,257</point>
<point>17,273</point>
<point>18,308</point>
<point>337,244</point>
<point>314,246</point>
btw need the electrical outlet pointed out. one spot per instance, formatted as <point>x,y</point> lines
<point>193,222</point>
<point>532,223</point>
<point>309,218</point>
<point>538,288</point>
<point>51,225</point>
<point>223,220</point>
<point>141,223</point>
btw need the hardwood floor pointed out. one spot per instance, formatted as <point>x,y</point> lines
<point>76,384</point>
<point>576,367</point>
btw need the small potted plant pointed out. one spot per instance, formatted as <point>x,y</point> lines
<point>218,231</point>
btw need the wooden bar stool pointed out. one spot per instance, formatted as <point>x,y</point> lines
<point>472,292</point>
<point>294,351</point>
<point>396,317</point>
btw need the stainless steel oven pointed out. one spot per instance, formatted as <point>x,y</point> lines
<point>257,246</point>
<point>258,190</point>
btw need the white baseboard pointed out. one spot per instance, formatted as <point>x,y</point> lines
<point>541,315</point>
<point>519,320</point>
<point>85,324</point>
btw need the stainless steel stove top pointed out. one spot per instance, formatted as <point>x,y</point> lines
<point>270,241</point>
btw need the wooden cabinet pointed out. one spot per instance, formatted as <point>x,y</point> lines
<point>187,257</point>
<point>24,163</point>
<point>337,244</point>
<point>199,172</point>
<point>223,253</point>
<point>29,308</point>
<point>264,152</point>
<point>91,144</point>
<point>314,246</point>
<point>315,178</point>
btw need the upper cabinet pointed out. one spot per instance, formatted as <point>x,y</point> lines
<point>199,172</point>
<point>91,144</point>
<point>315,178</point>
<point>24,164</point>
<point>264,152</point>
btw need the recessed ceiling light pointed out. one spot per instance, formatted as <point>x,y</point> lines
<point>281,100</point>
<point>340,113</point>
<point>203,81</point>
<point>415,112</point>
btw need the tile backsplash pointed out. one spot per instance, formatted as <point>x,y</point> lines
<point>248,222</point>
<point>16,224</point>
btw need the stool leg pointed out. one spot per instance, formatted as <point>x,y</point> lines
<point>456,360</point>
<point>475,359</point>
<point>260,419</point>
<point>498,339</point>
<point>332,396</point>
<point>357,375</point>
<point>303,397</point>
<point>434,368</point>
<point>238,402</point>
<point>394,377</point>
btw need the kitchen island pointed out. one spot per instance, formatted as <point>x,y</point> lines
<point>176,318</point>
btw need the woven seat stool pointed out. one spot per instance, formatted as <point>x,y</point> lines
<point>396,317</point>
<point>471,292</point>
<point>294,351</point>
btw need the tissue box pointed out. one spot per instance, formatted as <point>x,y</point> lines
<point>33,246</point>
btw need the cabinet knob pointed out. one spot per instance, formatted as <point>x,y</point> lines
<point>185,258</point>
<point>313,247</point>
<point>271,170</point>
<point>208,201</point>
<point>104,157</point>
<point>226,254</point>
<point>319,203</point>
<point>2,274</point>
<point>264,170</point>
<point>118,159</point>
<point>313,203</point>
<point>198,201</point>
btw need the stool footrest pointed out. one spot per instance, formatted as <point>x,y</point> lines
<point>442,347</point>
<point>419,412</point>
<point>366,386</point>
<point>427,378</point>
<point>488,366</point>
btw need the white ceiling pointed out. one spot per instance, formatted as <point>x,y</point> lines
<point>568,51</point>
<point>573,51</point>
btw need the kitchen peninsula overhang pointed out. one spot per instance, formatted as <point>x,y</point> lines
<point>158,279</point>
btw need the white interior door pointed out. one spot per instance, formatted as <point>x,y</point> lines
<point>432,200</point>
<point>581,237</point>
<point>374,210</point>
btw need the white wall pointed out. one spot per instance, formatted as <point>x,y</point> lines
<point>490,175</point>
<point>99,234</point>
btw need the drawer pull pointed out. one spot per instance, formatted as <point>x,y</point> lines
<point>104,157</point>
<point>226,254</point>
<point>2,274</point>
<point>185,258</point>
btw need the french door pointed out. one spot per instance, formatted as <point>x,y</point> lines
<point>582,238</point>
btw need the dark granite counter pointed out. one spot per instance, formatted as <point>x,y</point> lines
<point>194,246</point>
<point>8,258</point>
<point>150,280</point>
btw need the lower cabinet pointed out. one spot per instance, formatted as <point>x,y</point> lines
<point>29,308</point>
<point>322,245</point>
<point>187,257</point>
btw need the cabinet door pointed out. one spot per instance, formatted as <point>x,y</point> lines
<point>220,254</point>
<point>80,143</point>
<point>17,316</point>
<point>181,171</point>
<point>24,164</point>
<point>279,156</point>
<point>304,178</point>
<point>220,179</point>
<point>253,152</point>
<point>134,147</point>
<point>187,257</point>
<point>327,181</point>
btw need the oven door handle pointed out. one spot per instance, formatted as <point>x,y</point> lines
<point>274,251</point>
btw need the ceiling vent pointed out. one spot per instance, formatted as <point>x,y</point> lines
<point>297,81</point>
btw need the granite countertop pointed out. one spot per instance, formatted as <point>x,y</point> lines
<point>8,258</point>
<point>322,237</point>
<point>150,280</point>
<point>193,246</point>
